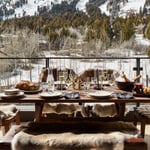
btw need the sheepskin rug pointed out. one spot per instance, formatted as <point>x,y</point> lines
<point>69,137</point>
<point>100,110</point>
<point>86,110</point>
<point>7,111</point>
<point>59,108</point>
<point>70,141</point>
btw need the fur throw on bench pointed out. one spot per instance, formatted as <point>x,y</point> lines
<point>87,110</point>
<point>100,110</point>
<point>69,141</point>
<point>59,108</point>
<point>72,136</point>
<point>7,111</point>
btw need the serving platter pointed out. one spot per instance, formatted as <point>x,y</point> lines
<point>101,94</point>
<point>32,91</point>
<point>55,94</point>
<point>5,96</point>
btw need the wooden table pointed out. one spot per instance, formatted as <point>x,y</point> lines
<point>84,98</point>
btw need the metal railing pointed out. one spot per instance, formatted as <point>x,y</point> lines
<point>133,66</point>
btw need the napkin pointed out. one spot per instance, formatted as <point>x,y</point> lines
<point>125,95</point>
<point>75,95</point>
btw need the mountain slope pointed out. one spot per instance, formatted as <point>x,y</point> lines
<point>125,8</point>
<point>20,8</point>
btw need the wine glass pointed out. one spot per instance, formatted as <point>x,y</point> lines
<point>87,83</point>
<point>61,79</point>
<point>101,79</point>
<point>50,80</point>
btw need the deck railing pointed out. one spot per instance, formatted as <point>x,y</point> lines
<point>132,66</point>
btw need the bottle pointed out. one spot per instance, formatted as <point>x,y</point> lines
<point>79,84</point>
<point>50,80</point>
<point>44,74</point>
<point>125,77</point>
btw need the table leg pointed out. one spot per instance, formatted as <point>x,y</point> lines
<point>120,109</point>
<point>38,111</point>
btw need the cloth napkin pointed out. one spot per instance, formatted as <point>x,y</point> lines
<point>125,95</point>
<point>75,95</point>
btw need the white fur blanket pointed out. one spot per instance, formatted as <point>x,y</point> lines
<point>70,141</point>
<point>7,111</point>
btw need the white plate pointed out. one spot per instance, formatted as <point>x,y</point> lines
<point>101,94</point>
<point>51,94</point>
<point>4,96</point>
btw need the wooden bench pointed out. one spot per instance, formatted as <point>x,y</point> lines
<point>9,114</point>
<point>142,115</point>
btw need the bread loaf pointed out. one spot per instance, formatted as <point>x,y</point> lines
<point>27,85</point>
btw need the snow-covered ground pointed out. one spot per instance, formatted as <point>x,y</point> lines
<point>132,5</point>
<point>81,5</point>
<point>104,9</point>
<point>141,40</point>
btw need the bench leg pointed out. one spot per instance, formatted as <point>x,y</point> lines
<point>143,127</point>
<point>18,118</point>
<point>135,123</point>
<point>6,128</point>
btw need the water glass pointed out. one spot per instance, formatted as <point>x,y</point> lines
<point>44,86</point>
<point>51,86</point>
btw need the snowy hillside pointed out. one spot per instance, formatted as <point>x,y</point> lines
<point>30,7</point>
<point>130,6</point>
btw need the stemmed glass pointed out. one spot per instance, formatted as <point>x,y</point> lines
<point>101,79</point>
<point>50,80</point>
<point>70,77</point>
<point>87,83</point>
<point>61,79</point>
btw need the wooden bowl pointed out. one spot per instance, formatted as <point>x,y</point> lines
<point>125,86</point>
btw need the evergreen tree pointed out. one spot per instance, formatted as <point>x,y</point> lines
<point>147,31</point>
<point>127,29</point>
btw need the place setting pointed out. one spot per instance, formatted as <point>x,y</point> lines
<point>11,93</point>
<point>51,94</point>
<point>101,94</point>
<point>49,91</point>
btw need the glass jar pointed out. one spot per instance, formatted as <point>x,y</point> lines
<point>138,88</point>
